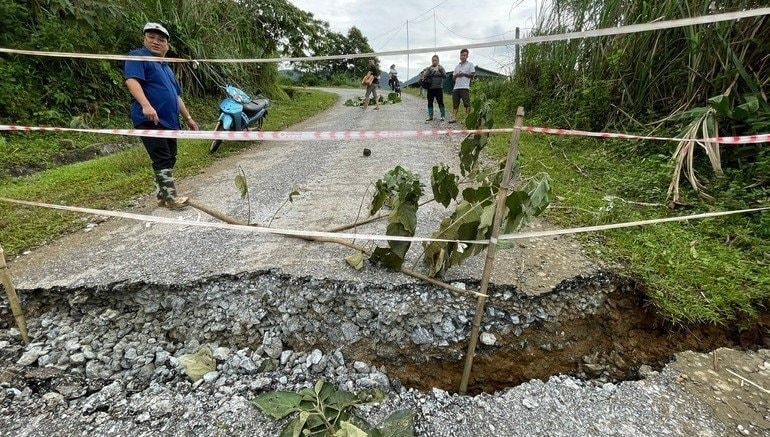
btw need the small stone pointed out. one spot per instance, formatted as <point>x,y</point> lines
<point>30,356</point>
<point>361,367</point>
<point>488,339</point>
<point>529,403</point>
<point>210,377</point>
<point>743,430</point>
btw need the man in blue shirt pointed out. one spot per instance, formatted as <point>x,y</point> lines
<point>156,104</point>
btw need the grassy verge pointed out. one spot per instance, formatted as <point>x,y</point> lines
<point>115,181</point>
<point>713,270</point>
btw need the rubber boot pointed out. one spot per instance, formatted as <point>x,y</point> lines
<point>442,109</point>
<point>430,113</point>
<point>159,189</point>
<point>168,190</point>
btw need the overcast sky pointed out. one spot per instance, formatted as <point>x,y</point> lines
<point>435,23</point>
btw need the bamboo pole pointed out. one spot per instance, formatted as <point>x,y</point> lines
<point>481,301</point>
<point>232,220</point>
<point>13,298</point>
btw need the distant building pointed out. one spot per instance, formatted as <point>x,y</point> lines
<point>481,73</point>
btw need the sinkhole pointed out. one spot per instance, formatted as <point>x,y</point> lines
<point>596,326</point>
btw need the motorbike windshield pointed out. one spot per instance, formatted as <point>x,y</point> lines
<point>237,94</point>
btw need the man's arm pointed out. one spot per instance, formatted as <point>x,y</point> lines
<point>135,88</point>
<point>192,124</point>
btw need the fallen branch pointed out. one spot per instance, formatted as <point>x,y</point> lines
<point>235,221</point>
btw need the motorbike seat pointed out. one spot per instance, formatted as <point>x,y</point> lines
<point>253,107</point>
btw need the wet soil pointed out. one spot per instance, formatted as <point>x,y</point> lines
<point>622,341</point>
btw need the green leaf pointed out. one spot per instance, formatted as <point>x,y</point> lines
<point>462,224</point>
<point>278,404</point>
<point>487,217</point>
<point>324,390</point>
<point>747,110</point>
<point>347,429</point>
<point>444,185</point>
<point>342,399</point>
<point>240,183</point>
<point>405,214</point>
<point>380,195</point>
<point>720,103</point>
<point>292,195</point>
<point>398,424</point>
<point>356,260</point>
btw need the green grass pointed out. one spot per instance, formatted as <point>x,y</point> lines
<point>115,181</point>
<point>714,270</point>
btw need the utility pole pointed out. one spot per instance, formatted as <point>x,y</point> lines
<point>517,52</point>
<point>407,50</point>
<point>435,44</point>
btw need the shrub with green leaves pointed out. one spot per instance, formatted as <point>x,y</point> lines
<point>325,411</point>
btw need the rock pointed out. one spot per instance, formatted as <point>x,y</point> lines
<point>315,357</point>
<point>361,367</point>
<point>530,403</point>
<point>488,339</point>
<point>53,399</point>
<point>29,357</point>
<point>272,345</point>
<point>210,377</point>
<point>421,336</point>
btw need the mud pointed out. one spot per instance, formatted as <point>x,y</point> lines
<point>620,342</point>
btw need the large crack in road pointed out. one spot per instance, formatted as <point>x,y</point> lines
<point>111,311</point>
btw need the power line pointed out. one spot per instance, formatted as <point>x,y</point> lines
<point>429,10</point>
<point>472,38</point>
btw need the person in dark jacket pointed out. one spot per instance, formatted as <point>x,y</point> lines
<point>372,88</point>
<point>435,74</point>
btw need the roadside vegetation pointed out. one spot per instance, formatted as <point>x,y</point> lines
<point>666,83</point>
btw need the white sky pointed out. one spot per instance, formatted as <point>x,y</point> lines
<point>435,23</point>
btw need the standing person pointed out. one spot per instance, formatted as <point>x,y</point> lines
<point>464,72</point>
<point>372,87</point>
<point>156,103</point>
<point>392,77</point>
<point>436,74</point>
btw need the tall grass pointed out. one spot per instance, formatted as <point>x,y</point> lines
<point>648,74</point>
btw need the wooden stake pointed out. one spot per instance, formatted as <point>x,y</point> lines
<point>481,301</point>
<point>13,298</point>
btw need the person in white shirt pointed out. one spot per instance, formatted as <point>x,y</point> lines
<point>464,72</point>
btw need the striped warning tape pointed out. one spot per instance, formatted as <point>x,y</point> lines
<point>373,237</point>
<point>634,28</point>
<point>364,135</point>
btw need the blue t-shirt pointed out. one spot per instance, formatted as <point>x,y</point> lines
<point>160,87</point>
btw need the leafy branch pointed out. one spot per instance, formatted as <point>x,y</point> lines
<point>324,410</point>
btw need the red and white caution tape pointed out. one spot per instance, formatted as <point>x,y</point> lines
<point>373,237</point>
<point>635,28</point>
<point>748,139</point>
<point>363,135</point>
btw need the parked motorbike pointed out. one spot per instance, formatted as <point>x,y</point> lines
<point>240,112</point>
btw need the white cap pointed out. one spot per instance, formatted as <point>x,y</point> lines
<point>156,27</point>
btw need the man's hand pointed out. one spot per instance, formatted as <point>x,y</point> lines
<point>192,124</point>
<point>150,113</point>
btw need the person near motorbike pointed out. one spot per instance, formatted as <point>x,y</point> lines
<point>393,77</point>
<point>156,102</point>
